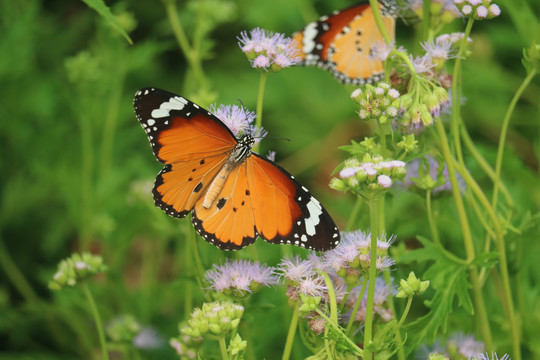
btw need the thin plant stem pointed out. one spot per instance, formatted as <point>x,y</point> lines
<point>467,237</point>
<point>356,306</point>
<point>339,331</point>
<point>260,98</point>
<point>504,130</point>
<point>378,20</point>
<point>426,19</point>
<point>485,165</point>
<point>223,348</point>
<point>290,335</point>
<point>368,326</point>
<point>456,91</point>
<point>405,312</point>
<point>14,274</point>
<point>191,55</point>
<point>354,213</point>
<point>87,158</point>
<point>97,320</point>
<point>432,225</point>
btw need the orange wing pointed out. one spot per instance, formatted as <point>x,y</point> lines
<point>341,42</point>
<point>261,199</point>
<point>192,143</point>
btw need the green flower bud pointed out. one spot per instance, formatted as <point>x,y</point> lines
<point>412,286</point>
<point>76,268</point>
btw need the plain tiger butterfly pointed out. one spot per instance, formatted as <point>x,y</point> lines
<point>235,194</point>
<point>341,42</point>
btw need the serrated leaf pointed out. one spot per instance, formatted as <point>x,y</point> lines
<point>102,9</point>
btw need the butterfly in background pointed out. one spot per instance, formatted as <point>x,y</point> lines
<point>341,42</point>
<point>235,194</point>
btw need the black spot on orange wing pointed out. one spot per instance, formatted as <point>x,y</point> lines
<point>222,225</point>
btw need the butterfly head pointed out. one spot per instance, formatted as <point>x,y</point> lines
<point>242,150</point>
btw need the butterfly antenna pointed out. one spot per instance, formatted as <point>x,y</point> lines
<point>272,137</point>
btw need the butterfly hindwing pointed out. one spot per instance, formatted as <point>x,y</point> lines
<point>229,222</point>
<point>341,42</point>
<point>285,212</point>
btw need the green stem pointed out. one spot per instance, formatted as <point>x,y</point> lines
<point>432,225</point>
<point>191,55</point>
<point>368,327</point>
<point>426,21</point>
<point>291,335</point>
<point>260,98</point>
<point>504,131</point>
<point>378,20</point>
<point>97,319</point>
<point>456,91</point>
<point>485,165</point>
<point>405,313</point>
<point>339,331</point>
<point>223,348</point>
<point>86,181</point>
<point>467,236</point>
<point>354,213</point>
<point>356,306</point>
<point>14,274</point>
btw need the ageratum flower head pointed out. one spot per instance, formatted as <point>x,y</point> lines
<point>428,174</point>
<point>463,345</point>
<point>478,9</point>
<point>76,268</point>
<point>351,258</point>
<point>124,328</point>
<point>493,356</point>
<point>268,50</point>
<point>215,319</point>
<point>379,102</point>
<point>369,177</point>
<point>441,11</point>
<point>239,120</point>
<point>239,277</point>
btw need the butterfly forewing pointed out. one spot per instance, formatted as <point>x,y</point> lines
<point>192,143</point>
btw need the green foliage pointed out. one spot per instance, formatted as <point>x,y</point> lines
<point>77,174</point>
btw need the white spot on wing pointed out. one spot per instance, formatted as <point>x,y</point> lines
<point>315,211</point>
<point>310,33</point>
<point>174,103</point>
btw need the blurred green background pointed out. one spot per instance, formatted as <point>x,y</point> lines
<point>76,168</point>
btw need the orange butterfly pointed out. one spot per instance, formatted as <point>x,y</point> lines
<point>341,42</point>
<point>235,194</point>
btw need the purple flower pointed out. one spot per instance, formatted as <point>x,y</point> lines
<point>382,292</point>
<point>239,120</point>
<point>422,64</point>
<point>266,49</point>
<point>466,345</point>
<point>481,12</point>
<point>413,173</point>
<point>380,50</point>
<point>439,50</point>
<point>493,356</point>
<point>240,276</point>
<point>354,252</point>
<point>295,269</point>
<point>494,10</point>
<point>385,181</point>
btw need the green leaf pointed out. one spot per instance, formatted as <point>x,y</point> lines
<point>103,10</point>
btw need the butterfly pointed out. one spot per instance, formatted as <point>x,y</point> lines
<point>234,194</point>
<point>341,42</point>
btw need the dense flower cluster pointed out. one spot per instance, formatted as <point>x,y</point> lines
<point>267,50</point>
<point>76,268</point>
<point>351,258</point>
<point>373,173</point>
<point>441,11</point>
<point>378,102</point>
<point>216,318</point>
<point>478,9</point>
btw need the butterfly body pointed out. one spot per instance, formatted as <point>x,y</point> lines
<point>341,42</point>
<point>235,195</point>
